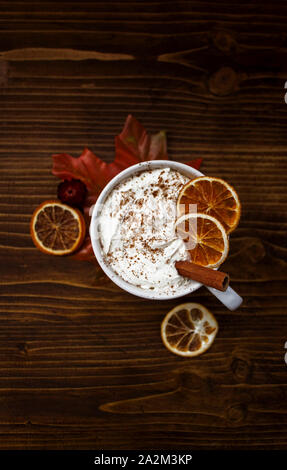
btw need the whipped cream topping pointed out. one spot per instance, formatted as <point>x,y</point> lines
<point>136,230</point>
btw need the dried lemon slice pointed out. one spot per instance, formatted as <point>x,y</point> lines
<point>189,330</point>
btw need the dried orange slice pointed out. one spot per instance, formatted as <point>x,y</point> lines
<point>205,239</point>
<point>57,229</point>
<point>188,329</point>
<point>214,197</point>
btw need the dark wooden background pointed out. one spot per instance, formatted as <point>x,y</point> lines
<point>82,365</point>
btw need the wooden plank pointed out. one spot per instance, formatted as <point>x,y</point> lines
<point>82,365</point>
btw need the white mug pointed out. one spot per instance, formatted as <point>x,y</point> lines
<point>229,298</point>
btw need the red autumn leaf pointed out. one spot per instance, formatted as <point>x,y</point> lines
<point>195,163</point>
<point>132,146</point>
<point>135,145</point>
<point>158,147</point>
<point>85,253</point>
<point>90,169</point>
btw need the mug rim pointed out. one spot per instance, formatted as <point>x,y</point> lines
<point>96,245</point>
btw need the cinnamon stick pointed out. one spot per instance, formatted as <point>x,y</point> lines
<point>206,276</point>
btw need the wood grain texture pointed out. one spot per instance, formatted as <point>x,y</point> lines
<point>82,365</point>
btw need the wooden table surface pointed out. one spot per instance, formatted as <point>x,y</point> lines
<point>82,365</point>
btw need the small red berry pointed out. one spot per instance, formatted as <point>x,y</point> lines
<point>72,192</point>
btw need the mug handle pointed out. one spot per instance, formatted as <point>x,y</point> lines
<point>229,298</point>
